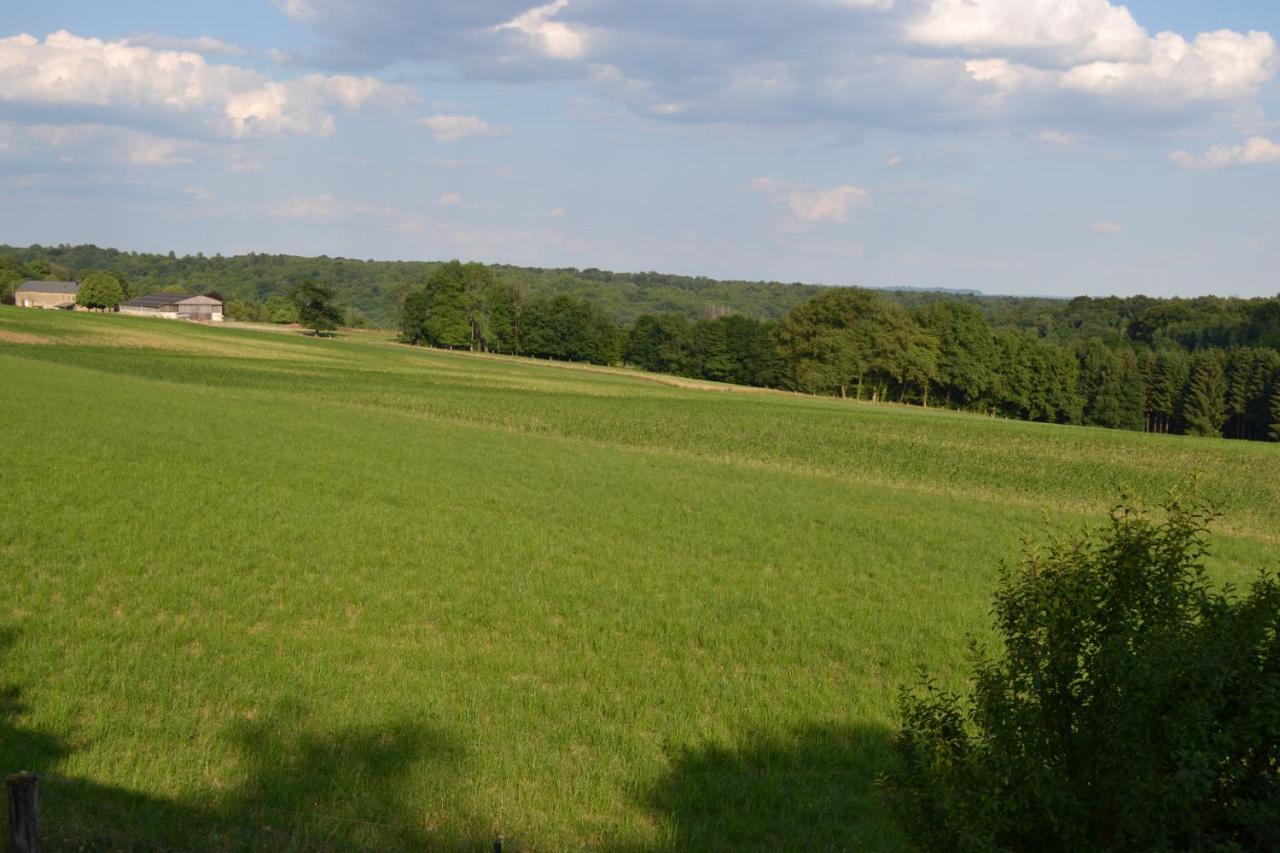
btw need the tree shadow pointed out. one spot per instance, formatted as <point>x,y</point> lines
<point>811,789</point>
<point>300,789</point>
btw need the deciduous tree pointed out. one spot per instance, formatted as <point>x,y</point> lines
<point>100,291</point>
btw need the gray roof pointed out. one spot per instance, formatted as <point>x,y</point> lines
<point>157,300</point>
<point>49,287</point>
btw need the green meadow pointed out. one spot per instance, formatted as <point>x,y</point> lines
<point>263,591</point>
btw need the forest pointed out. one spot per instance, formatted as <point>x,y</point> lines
<point>1203,366</point>
<point>1169,366</point>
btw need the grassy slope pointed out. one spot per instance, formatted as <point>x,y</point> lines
<point>353,595</point>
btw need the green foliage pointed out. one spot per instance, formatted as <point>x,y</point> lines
<point>1274,432</point>
<point>570,330</point>
<point>1111,386</point>
<point>101,291</point>
<point>1205,406</point>
<point>10,279</point>
<point>316,308</point>
<point>455,309</point>
<point>664,343</point>
<point>1132,706</point>
<point>278,309</point>
<point>967,354</point>
<point>243,310</point>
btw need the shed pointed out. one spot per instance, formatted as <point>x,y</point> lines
<point>47,294</point>
<point>175,306</point>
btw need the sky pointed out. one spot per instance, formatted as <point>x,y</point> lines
<point>1032,147</point>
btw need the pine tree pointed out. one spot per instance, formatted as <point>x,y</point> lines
<point>1205,406</point>
<point>1274,433</point>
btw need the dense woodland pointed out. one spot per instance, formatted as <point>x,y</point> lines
<point>1204,366</point>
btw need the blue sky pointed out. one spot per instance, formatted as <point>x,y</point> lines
<point>1015,146</point>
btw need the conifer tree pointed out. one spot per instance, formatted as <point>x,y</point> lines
<point>1274,433</point>
<point>1205,406</point>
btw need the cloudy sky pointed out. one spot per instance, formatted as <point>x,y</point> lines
<point>1014,146</point>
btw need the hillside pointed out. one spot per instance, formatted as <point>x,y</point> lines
<point>377,288</point>
<point>273,592</point>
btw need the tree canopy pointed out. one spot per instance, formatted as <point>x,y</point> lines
<point>317,310</point>
<point>101,291</point>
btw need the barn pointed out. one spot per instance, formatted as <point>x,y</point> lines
<point>175,306</point>
<point>47,294</point>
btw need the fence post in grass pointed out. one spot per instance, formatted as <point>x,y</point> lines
<point>24,812</point>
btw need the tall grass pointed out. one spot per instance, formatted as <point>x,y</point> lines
<point>271,592</point>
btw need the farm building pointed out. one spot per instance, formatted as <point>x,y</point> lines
<point>47,294</point>
<point>175,306</point>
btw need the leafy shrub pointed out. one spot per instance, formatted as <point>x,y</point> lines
<point>1132,705</point>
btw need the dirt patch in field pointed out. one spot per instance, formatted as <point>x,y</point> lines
<point>11,337</point>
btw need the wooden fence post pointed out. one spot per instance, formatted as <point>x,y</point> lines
<point>24,812</point>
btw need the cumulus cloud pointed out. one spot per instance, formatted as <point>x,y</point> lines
<point>123,80</point>
<point>1064,30</point>
<point>553,39</point>
<point>450,128</point>
<point>1076,67</point>
<point>1257,151</point>
<point>829,205</point>
<point>1222,66</point>
<point>811,206</point>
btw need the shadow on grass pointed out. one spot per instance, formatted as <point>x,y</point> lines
<point>300,790</point>
<point>813,789</point>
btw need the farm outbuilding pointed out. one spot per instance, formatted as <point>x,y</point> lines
<point>47,294</point>
<point>175,306</point>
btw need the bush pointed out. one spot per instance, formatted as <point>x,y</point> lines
<point>1132,706</point>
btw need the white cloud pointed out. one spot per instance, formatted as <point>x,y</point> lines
<point>241,167</point>
<point>449,200</point>
<point>1058,137</point>
<point>1106,228</point>
<point>298,10</point>
<point>155,151</point>
<point>326,208</point>
<point>1216,67</point>
<point>447,128</point>
<point>198,44</point>
<point>1067,30</point>
<point>829,205</point>
<point>129,81</point>
<point>1257,151</point>
<point>553,39</point>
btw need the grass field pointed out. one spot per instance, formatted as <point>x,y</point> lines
<point>264,591</point>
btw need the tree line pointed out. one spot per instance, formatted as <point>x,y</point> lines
<point>1203,366</point>
<point>863,345</point>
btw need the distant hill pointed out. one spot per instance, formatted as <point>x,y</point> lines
<point>376,287</point>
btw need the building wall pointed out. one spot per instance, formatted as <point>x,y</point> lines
<point>149,312</point>
<point>42,300</point>
<point>201,313</point>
